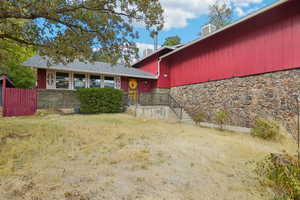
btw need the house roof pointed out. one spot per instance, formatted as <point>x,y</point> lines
<point>2,77</point>
<point>280,2</point>
<point>96,67</point>
<point>171,48</point>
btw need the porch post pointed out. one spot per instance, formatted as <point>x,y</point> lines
<point>3,95</point>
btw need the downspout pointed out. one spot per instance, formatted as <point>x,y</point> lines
<point>158,68</point>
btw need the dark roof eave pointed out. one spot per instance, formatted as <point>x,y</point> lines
<point>95,68</point>
<point>93,72</point>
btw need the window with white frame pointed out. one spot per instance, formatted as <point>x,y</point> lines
<point>109,82</point>
<point>95,81</point>
<point>79,81</point>
<point>62,80</point>
<point>50,77</point>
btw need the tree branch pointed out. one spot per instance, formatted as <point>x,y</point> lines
<point>62,11</point>
<point>21,41</point>
<point>104,10</point>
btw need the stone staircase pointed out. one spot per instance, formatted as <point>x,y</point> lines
<point>182,115</point>
<point>186,118</point>
<point>153,105</point>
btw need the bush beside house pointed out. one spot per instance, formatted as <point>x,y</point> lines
<point>282,173</point>
<point>100,100</point>
<point>266,129</point>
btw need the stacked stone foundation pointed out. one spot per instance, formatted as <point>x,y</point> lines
<point>272,95</point>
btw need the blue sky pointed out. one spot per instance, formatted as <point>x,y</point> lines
<point>185,17</point>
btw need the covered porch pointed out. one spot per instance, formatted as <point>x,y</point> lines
<point>5,82</point>
<point>57,83</point>
<point>90,75</point>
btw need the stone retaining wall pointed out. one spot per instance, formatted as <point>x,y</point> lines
<point>153,112</point>
<point>271,95</point>
<point>56,99</point>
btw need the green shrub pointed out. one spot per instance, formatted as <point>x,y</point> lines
<point>266,129</point>
<point>282,173</point>
<point>100,100</point>
<point>221,118</point>
<point>199,117</point>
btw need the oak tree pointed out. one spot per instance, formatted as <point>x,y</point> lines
<point>66,30</point>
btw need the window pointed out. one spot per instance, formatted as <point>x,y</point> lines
<point>109,82</point>
<point>79,81</point>
<point>62,80</point>
<point>95,81</point>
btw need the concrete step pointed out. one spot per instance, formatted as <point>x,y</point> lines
<point>186,117</point>
<point>187,122</point>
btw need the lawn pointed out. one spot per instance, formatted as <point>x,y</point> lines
<point>93,157</point>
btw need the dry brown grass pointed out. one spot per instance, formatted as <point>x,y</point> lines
<point>91,157</point>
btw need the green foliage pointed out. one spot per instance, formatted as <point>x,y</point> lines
<point>282,172</point>
<point>221,118</point>
<point>102,56</point>
<point>22,77</point>
<point>100,100</point>
<point>172,41</point>
<point>67,30</point>
<point>199,117</point>
<point>11,55</point>
<point>266,129</point>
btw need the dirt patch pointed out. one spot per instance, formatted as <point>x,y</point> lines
<point>4,139</point>
<point>95,157</point>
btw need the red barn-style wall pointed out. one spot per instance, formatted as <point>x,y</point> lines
<point>150,65</point>
<point>164,77</point>
<point>265,43</point>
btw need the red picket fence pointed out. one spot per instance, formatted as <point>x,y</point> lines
<point>19,102</point>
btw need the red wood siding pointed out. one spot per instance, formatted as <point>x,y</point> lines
<point>144,85</point>
<point>268,42</point>
<point>124,84</point>
<point>41,78</point>
<point>149,65</point>
<point>19,102</point>
<point>164,78</point>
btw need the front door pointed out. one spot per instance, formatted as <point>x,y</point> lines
<point>133,91</point>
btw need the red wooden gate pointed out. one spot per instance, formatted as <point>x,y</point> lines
<point>19,102</point>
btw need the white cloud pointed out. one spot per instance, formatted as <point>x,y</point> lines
<point>243,12</point>
<point>240,12</point>
<point>178,12</point>
<point>246,3</point>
